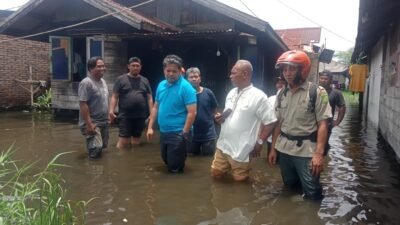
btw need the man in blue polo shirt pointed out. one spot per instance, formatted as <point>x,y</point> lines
<point>175,109</point>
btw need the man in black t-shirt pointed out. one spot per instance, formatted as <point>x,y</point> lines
<point>336,100</point>
<point>204,133</point>
<point>133,93</point>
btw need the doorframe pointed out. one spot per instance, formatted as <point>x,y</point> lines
<point>95,38</point>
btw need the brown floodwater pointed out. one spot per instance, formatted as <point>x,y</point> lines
<point>361,180</point>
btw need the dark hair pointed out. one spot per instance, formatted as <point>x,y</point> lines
<point>193,70</point>
<point>92,62</point>
<point>326,73</point>
<point>134,59</point>
<point>172,59</point>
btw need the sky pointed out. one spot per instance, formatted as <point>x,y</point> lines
<point>338,18</point>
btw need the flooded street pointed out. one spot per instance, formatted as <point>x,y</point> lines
<point>361,180</point>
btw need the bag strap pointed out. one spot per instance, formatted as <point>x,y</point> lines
<point>312,92</point>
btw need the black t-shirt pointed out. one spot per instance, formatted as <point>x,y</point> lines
<point>203,126</point>
<point>336,99</point>
<point>132,92</point>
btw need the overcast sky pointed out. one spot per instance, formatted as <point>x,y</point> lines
<point>338,18</point>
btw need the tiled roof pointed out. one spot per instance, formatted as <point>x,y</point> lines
<point>298,37</point>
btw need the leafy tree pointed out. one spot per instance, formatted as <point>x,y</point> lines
<point>344,57</point>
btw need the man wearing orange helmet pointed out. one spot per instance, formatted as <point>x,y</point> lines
<point>301,133</point>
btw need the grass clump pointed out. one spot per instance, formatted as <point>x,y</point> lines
<point>37,199</point>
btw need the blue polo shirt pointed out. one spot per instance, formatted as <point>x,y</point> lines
<point>172,100</point>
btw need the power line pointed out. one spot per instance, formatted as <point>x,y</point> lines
<point>77,24</point>
<point>248,8</point>
<point>305,17</point>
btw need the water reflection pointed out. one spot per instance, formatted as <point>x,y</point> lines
<point>361,180</point>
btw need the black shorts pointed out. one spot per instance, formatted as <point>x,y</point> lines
<point>131,127</point>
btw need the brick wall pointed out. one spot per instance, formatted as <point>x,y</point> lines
<point>15,58</point>
<point>389,110</point>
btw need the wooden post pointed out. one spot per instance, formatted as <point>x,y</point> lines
<point>31,84</point>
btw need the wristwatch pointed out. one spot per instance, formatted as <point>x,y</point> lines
<point>260,141</point>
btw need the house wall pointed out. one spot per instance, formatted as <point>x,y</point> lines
<point>374,83</point>
<point>15,59</point>
<point>65,93</point>
<point>389,112</point>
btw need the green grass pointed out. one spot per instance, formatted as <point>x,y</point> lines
<point>37,199</point>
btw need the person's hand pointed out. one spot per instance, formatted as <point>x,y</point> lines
<point>272,156</point>
<point>335,123</point>
<point>90,129</point>
<point>111,117</point>
<point>218,118</point>
<point>186,135</point>
<point>149,134</point>
<point>256,151</point>
<point>317,164</point>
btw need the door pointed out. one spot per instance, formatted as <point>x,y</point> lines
<point>60,66</point>
<point>94,47</point>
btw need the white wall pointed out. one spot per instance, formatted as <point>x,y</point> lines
<point>374,83</point>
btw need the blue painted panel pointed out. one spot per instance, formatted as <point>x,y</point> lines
<point>60,58</point>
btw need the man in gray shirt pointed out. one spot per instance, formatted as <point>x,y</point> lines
<point>93,108</point>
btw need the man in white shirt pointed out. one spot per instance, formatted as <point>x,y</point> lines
<point>247,121</point>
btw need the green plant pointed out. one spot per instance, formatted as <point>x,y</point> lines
<point>37,199</point>
<point>350,98</point>
<point>43,102</point>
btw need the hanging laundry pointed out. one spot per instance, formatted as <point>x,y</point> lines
<point>358,75</point>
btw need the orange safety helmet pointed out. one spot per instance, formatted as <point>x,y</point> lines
<point>295,58</point>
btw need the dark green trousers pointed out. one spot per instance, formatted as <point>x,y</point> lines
<point>296,171</point>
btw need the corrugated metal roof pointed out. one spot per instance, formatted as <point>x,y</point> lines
<point>130,14</point>
<point>245,18</point>
<point>375,17</point>
<point>120,12</point>
<point>185,34</point>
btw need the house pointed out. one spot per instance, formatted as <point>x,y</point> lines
<point>297,38</point>
<point>20,59</point>
<point>340,73</point>
<point>378,45</point>
<point>205,33</point>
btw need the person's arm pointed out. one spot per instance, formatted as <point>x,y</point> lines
<point>214,103</point>
<point>272,154</point>
<point>90,126</point>
<point>340,116</point>
<point>150,102</point>
<point>153,116</point>
<point>265,131</point>
<point>113,103</point>
<point>317,161</point>
<point>191,116</point>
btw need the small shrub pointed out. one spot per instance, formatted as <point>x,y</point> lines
<point>43,102</point>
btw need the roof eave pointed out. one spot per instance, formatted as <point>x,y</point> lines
<point>118,15</point>
<point>25,9</point>
<point>249,20</point>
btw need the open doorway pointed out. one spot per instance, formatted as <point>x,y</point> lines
<point>78,59</point>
